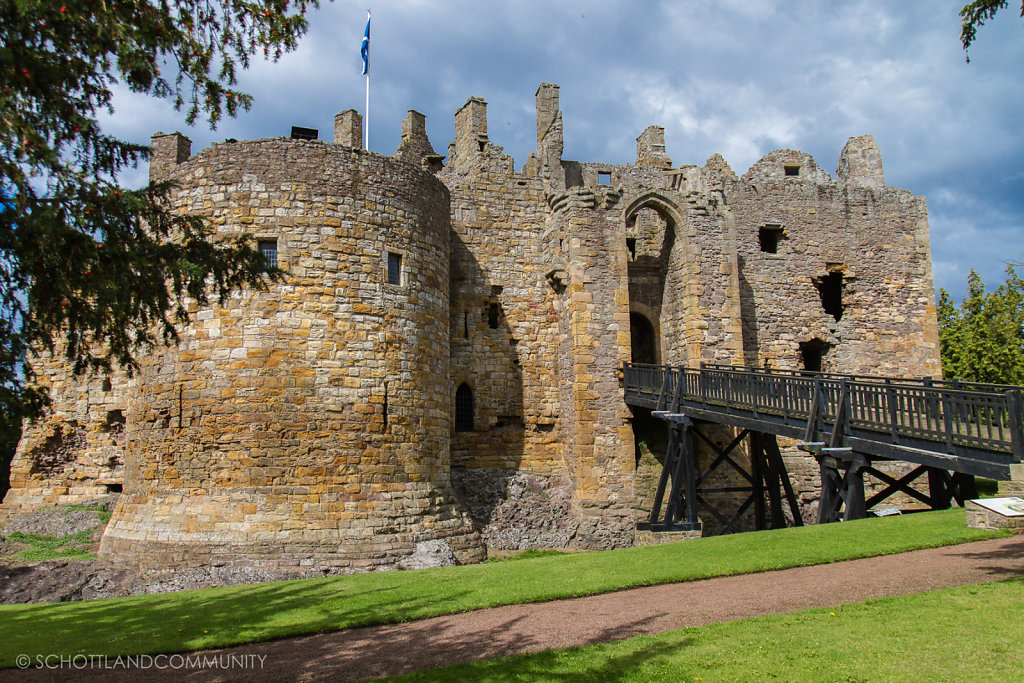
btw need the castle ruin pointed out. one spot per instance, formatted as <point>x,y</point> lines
<point>442,360</point>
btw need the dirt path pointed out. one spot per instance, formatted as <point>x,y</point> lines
<point>358,654</point>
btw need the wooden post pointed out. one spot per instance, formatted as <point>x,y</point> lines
<point>690,460</point>
<point>855,508</point>
<point>777,474</point>
<point>758,472</point>
<point>939,484</point>
<point>829,491</point>
<point>1016,435</point>
<point>678,474</point>
<point>666,468</point>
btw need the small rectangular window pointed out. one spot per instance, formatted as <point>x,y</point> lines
<point>604,178</point>
<point>394,268</point>
<point>792,170</point>
<point>302,133</point>
<point>768,237</point>
<point>269,250</point>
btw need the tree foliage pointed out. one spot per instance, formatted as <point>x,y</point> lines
<point>983,339</point>
<point>88,268</point>
<point>974,15</point>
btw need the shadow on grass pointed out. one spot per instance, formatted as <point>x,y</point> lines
<point>574,664</point>
<point>194,620</point>
<point>422,647</point>
<point>211,618</point>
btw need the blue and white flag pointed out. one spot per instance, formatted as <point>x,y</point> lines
<point>365,49</point>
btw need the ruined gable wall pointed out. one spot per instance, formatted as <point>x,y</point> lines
<point>877,240</point>
<point>304,425</point>
<point>75,452</point>
<point>875,236</point>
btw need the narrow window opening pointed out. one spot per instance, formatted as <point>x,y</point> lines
<point>385,408</point>
<point>604,178</point>
<point>812,353</point>
<point>792,170</point>
<point>631,245</point>
<point>269,250</point>
<point>830,289</point>
<point>106,384</point>
<point>493,315</point>
<point>465,324</point>
<point>768,237</point>
<point>394,268</point>
<point>483,145</point>
<point>464,408</point>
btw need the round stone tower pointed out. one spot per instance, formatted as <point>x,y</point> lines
<point>306,425</point>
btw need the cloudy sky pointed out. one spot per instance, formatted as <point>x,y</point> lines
<point>738,77</point>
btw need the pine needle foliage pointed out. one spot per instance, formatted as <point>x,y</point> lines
<point>89,269</point>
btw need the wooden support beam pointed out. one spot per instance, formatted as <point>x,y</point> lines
<point>678,472</point>
<point>691,480</point>
<point>939,488</point>
<point>757,471</point>
<point>671,453</point>
<point>894,485</point>
<point>853,482</point>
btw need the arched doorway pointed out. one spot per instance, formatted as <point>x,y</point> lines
<point>643,339</point>
<point>464,408</point>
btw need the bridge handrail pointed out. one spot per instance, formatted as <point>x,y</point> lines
<point>923,381</point>
<point>899,407</point>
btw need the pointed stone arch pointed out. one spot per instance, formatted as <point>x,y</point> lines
<point>664,206</point>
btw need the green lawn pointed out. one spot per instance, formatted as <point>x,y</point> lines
<point>216,617</point>
<point>961,634</point>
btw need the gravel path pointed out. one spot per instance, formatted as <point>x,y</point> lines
<point>390,650</point>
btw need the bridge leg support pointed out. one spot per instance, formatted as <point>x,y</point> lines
<point>678,481</point>
<point>770,469</point>
<point>842,489</point>
<point>944,487</point>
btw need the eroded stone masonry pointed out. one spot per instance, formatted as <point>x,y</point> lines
<point>443,358</point>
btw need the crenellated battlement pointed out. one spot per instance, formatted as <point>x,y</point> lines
<point>443,360</point>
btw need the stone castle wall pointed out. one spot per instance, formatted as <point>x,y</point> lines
<point>323,422</point>
<point>303,425</point>
<point>76,452</point>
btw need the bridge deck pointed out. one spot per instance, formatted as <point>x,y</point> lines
<point>974,429</point>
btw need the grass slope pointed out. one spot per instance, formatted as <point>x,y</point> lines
<point>217,617</point>
<point>968,633</point>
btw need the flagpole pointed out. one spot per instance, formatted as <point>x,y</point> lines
<point>366,70</point>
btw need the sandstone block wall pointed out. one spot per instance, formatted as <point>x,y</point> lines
<point>337,419</point>
<point>76,451</point>
<point>303,425</point>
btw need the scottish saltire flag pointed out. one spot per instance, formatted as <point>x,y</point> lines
<point>365,49</point>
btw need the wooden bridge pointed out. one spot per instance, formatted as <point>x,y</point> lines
<point>951,431</point>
